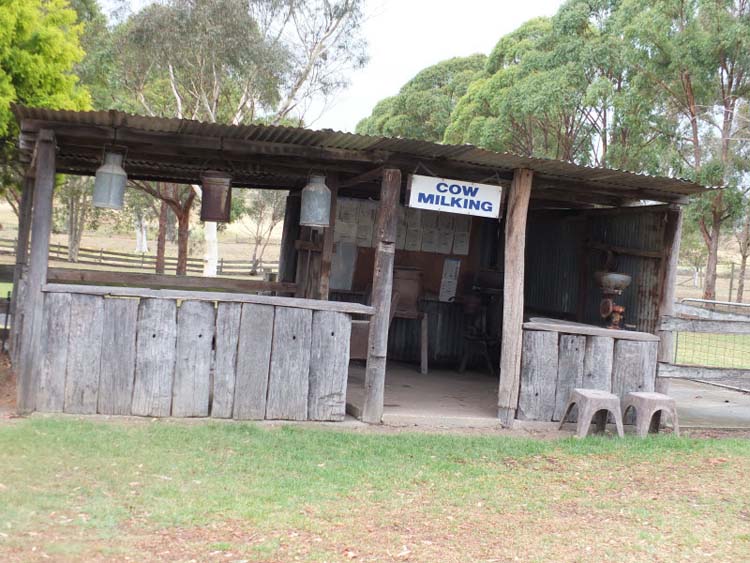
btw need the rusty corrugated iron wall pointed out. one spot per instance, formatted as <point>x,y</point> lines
<point>561,261</point>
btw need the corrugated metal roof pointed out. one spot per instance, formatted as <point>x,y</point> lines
<point>457,155</point>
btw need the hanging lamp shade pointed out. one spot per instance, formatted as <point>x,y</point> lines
<point>216,201</point>
<point>316,203</point>
<point>109,185</point>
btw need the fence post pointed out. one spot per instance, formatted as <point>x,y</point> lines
<point>731,282</point>
<point>101,255</point>
<point>221,266</point>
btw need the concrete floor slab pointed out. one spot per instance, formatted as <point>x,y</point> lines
<point>701,405</point>
<point>439,398</point>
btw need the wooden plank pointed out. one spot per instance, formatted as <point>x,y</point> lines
<point>668,282</point>
<point>705,325</point>
<point>570,368</point>
<point>227,338</point>
<point>155,357</point>
<point>289,234</point>
<point>539,363</point>
<point>289,302</point>
<point>20,267</point>
<point>513,284</point>
<point>196,322</point>
<point>33,307</point>
<point>51,393</point>
<point>288,381</point>
<point>690,312</point>
<point>701,373</point>
<point>161,281</point>
<point>382,286</point>
<point>118,356</point>
<point>626,251</point>
<point>329,366</point>
<point>253,361</point>
<point>326,257</point>
<point>84,354</point>
<point>589,330</point>
<point>634,369</point>
<point>597,363</point>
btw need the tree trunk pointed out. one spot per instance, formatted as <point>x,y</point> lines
<point>183,238</point>
<point>211,257</point>
<point>161,239</point>
<point>77,210</point>
<point>141,234</point>
<point>709,288</point>
<point>741,280</point>
<point>171,228</point>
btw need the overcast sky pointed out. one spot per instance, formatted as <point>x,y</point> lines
<point>406,36</point>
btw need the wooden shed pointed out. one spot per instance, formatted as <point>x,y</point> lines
<point>386,280</point>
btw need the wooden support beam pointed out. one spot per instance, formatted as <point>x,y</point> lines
<point>164,281</point>
<point>326,258</point>
<point>668,271</point>
<point>382,287</point>
<point>364,178</point>
<point>513,285</point>
<point>41,227</point>
<point>19,272</point>
<point>289,234</point>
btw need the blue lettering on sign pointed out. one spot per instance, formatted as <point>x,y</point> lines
<point>457,196</point>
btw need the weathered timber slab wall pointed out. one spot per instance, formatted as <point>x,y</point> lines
<point>553,363</point>
<point>149,356</point>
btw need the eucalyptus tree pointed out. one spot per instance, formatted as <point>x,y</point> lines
<point>696,56</point>
<point>233,61</point>
<point>422,108</point>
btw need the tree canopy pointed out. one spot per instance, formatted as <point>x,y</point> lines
<point>39,47</point>
<point>422,109</point>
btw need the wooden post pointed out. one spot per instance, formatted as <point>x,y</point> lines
<point>513,286</point>
<point>290,233</point>
<point>326,258</point>
<point>41,226</point>
<point>382,287</point>
<point>19,273</point>
<point>671,245</point>
<point>731,282</point>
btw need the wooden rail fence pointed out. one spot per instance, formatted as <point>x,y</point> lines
<point>137,261</point>
<point>697,320</point>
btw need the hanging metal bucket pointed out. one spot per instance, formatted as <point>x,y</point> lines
<point>109,185</point>
<point>316,203</point>
<point>216,202</point>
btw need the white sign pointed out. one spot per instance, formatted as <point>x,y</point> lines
<point>454,196</point>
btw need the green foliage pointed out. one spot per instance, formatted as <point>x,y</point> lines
<point>423,106</point>
<point>39,46</point>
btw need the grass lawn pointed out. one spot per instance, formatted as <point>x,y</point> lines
<point>167,491</point>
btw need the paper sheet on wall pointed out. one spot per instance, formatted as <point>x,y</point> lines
<point>449,282</point>
<point>445,241</point>
<point>429,219</point>
<point>445,221</point>
<point>347,210</point>
<point>413,240</point>
<point>461,244</point>
<point>461,223</point>
<point>429,240</point>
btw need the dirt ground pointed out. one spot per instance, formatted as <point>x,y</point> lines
<point>7,387</point>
